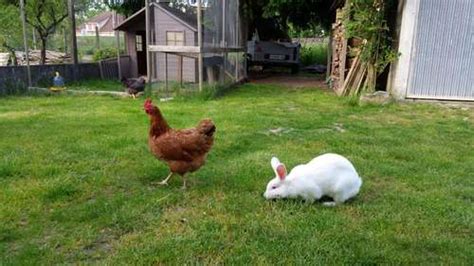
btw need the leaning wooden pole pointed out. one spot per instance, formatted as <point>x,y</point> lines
<point>147,40</point>
<point>117,39</point>
<point>200,59</point>
<point>72,17</point>
<point>25,42</point>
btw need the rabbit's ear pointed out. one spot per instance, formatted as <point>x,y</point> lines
<point>275,163</point>
<point>279,168</point>
<point>281,171</point>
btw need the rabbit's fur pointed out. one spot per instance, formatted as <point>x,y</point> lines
<point>329,175</point>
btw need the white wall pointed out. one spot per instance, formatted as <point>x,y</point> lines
<point>400,70</point>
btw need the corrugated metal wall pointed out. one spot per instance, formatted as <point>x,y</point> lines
<point>443,54</point>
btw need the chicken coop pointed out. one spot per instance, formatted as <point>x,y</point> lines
<point>192,42</point>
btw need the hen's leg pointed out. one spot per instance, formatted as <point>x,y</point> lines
<point>134,97</point>
<point>184,182</point>
<point>165,181</point>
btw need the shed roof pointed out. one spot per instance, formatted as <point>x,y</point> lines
<point>185,18</point>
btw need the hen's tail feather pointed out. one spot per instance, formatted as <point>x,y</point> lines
<point>207,127</point>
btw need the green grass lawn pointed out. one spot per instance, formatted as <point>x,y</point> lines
<point>76,174</point>
<point>96,85</point>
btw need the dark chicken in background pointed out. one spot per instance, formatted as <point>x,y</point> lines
<point>134,86</point>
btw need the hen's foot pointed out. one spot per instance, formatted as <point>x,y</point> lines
<point>165,181</point>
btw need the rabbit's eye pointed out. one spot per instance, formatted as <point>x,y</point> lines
<point>274,187</point>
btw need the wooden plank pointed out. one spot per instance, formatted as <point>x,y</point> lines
<point>350,77</point>
<point>342,64</point>
<point>229,49</point>
<point>174,49</point>
<point>357,85</point>
<point>193,49</point>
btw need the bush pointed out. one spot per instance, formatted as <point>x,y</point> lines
<point>105,53</point>
<point>314,54</point>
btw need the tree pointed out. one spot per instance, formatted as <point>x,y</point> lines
<point>125,7</point>
<point>86,9</point>
<point>10,35</point>
<point>270,17</point>
<point>254,20</point>
<point>45,16</point>
<point>301,14</point>
<point>367,20</point>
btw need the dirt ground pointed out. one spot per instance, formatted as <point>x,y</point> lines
<point>288,80</point>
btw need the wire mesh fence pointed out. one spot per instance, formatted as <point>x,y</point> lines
<point>194,46</point>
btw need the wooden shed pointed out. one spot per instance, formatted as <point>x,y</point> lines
<point>170,26</point>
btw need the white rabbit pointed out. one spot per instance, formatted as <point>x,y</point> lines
<point>329,175</point>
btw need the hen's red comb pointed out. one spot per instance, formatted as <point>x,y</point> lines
<point>148,102</point>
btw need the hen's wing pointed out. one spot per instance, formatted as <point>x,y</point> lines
<point>186,144</point>
<point>138,85</point>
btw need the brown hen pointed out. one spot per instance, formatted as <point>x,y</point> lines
<point>184,150</point>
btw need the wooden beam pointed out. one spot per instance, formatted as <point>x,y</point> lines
<point>180,70</point>
<point>200,59</point>
<point>173,49</point>
<point>193,49</point>
<point>97,38</point>
<point>147,40</point>
<point>166,73</point>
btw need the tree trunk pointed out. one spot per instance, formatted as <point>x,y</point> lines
<point>43,50</point>
<point>13,57</point>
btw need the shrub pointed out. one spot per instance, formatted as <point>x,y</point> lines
<point>105,53</point>
<point>314,54</point>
